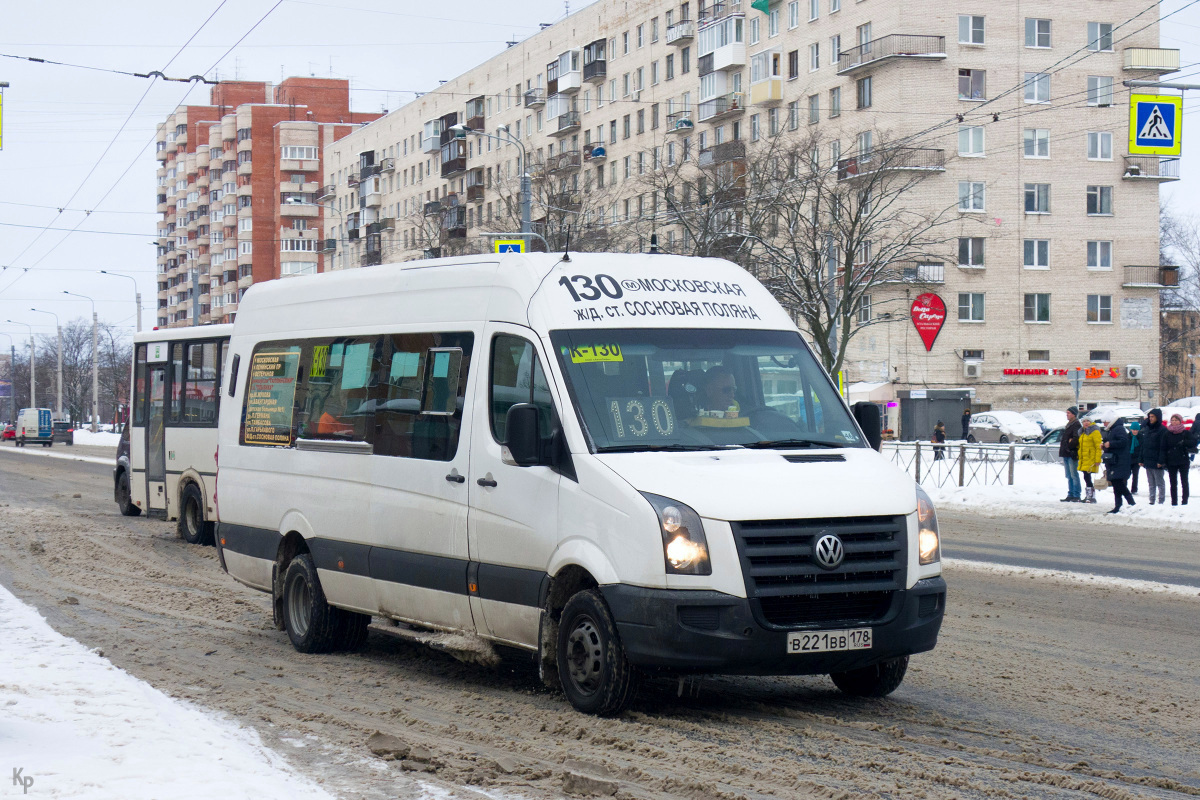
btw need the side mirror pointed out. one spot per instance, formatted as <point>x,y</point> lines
<point>523,435</point>
<point>871,421</point>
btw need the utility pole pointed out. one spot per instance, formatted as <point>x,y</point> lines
<point>58,328</point>
<point>32,364</point>
<point>95,360</point>
<point>12,385</point>
<point>137,295</point>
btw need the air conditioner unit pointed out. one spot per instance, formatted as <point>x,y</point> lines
<point>972,370</point>
<point>1134,372</point>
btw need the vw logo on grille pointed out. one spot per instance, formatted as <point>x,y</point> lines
<point>829,551</point>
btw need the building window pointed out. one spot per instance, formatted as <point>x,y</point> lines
<point>814,9</point>
<point>1037,87</point>
<point>835,47</point>
<point>970,195</point>
<point>1039,355</point>
<point>1037,142</point>
<point>1100,38</point>
<point>1099,200</point>
<point>970,140</point>
<point>864,309</point>
<point>246,224</point>
<point>814,109</point>
<point>863,143</point>
<point>793,65</point>
<point>835,101</point>
<point>772,122</point>
<point>1037,32</point>
<point>972,84</point>
<point>835,6</point>
<point>793,14</point>
<point>970,29</point>
<point>1100,90</point>
<point>970,251</point>
<point>1037,307</point>
<point>292,151</point>
<point>1099,255</point>
<point>754,127</point>
<point>773,22</point>
<point>641,35</point>
<point>814,57</point>
<point>1100,146</point>
<point>1037,254</point>
<point>793,115</point>
<point>970,306</point>
<point>685,60</point>
<point>1099,309</point>
<point>670,70</point>
<point>654,73</point>
<point>754,36</point>
<point>863,92</point>
<point>1037,198</point>
<point>245,248</point>
<point>1099,355</point>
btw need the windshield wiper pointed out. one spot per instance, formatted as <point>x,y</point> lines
<point>666,448</point>
<point>769,444</point>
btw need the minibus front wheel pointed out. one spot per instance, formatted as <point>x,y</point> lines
<point>877,680</point>
<point>592,668</point>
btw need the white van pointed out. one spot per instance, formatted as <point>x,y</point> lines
<point>34,426</point>
<point>625,464</point>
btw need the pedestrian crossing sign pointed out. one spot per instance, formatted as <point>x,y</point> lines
<point>510,245</point>
<point>1155,125</point>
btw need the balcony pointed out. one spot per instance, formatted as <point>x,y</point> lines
<point>352,180</point>
<point>1151,59</point>
<point>564,162</point>
<point>370,258</point>
<point>454,158</point>
<point>1146,277</point>
<point>327,192</point>
<point>387,165</point>
<point>594,153</point>
<point>923,273</point>
<point>722,153</point>
<point>914,159</point>
<point>299,210</point>
<point>534,98</point>
<point>475,185</point>
<point>1151,168</point>
<point>433,208</point>
<point>565,201</point>
<point>454,222</point>
<point>681,32</point>
<point>724,106</point>
<point>767,92</point>
<point>567,123</point>
<point>680,121</point>
<point>595,72</point>
<point>885,48</point>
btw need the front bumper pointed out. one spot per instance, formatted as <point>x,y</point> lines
<point>713,632</point>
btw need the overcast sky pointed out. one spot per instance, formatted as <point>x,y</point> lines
<point>64,124</point>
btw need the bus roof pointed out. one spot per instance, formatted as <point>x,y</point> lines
<point>184,334</point>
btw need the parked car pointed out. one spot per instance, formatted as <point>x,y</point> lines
<point>1188,414</point>
<point>1002,427</point>
<point>1047,454</point>
<point>10,432</point>
<point>1047,418</point>
<point>1127,413</point>
<point>63,432</point>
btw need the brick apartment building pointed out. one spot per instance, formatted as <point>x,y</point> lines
<point>237,189</point>
<point>1180,350</point>
<point>1051,255</point>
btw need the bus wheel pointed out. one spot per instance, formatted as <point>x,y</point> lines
<point>877,680</point>
<point>593,670</point>
<point>192,527</point>
<point>124,501</point>
<point>310,622</point>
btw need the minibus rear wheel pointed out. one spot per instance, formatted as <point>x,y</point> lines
<point>192,526</point>
<point>311,623</point>
<point>592,668</point>
<point>877,680</point>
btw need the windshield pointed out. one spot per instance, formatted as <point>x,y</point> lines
<point>664,389</point>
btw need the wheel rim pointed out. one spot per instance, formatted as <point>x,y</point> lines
<point>123,489</point>
<point>585,656</point>
<point>191,514</point>
<point>299,604</point>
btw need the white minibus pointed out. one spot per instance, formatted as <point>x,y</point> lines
<point>166,459</point>
<point>623,464</point>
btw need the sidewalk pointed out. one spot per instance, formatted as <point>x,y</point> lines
<point>73,725</point>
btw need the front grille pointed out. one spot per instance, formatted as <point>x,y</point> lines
<point>787,588</point>
<point>813,458</point>
<point>706,618</point>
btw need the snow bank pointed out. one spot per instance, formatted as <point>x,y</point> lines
<point>100,438</point>
<point>1036,493</point>
<point>80,727</point>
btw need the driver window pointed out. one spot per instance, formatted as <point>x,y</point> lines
<point>517,377</point>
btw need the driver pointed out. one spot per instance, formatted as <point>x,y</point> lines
<point>720,389</point>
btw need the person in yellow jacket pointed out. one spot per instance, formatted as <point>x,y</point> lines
<point>1089,456</point>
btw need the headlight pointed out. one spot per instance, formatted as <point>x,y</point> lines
<point>685,550</point>
<point>928,541</point>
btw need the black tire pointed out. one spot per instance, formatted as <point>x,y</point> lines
<point>124,499</point>
<point>970,438</point>
<point>311,623</point>
<point>21,442</point>
<point>1003,439</point>
<point>50,443</point>
<point>352,630</point>
<point>877,680</point>
<point>192,526</point>
<point>592,668</point>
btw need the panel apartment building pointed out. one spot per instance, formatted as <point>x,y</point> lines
<point>237,183</point>
<point>1051,249</point>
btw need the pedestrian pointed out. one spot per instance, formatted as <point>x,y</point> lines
<point>966,423</point>
<point>1068,451</point>
<point>939,441</point>
<point>1089,456</point>
<point>1153,458</point>
<point>1178,445</point>
<point>1118,460</point>
<point>1135,451</point>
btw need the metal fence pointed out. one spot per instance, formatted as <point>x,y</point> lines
<point>955,463</point>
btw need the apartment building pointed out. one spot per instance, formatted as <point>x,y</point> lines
<point>1014,115</point>
<point>237,186</point>
<point>1180,350</point>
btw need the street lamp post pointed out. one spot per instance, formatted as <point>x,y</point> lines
<point>95,360</point>
<point>136,294</point>
<point>58,328</point>
<point>32,365</point>
<point>462,131</point>
<point>12,383</point>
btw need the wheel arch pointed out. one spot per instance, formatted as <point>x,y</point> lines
<point>292,542</point>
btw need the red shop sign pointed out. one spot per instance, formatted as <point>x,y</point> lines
<point>928,315</point>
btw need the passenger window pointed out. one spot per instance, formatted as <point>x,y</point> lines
<point>139,387</point>
<point>518,377</point>
<point>269,413</point>
<point>420,412</point>
<point>201,392</point>
<point>175,400</point>
<point>337,391</point>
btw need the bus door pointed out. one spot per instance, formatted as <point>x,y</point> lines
<point>156,453</point>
